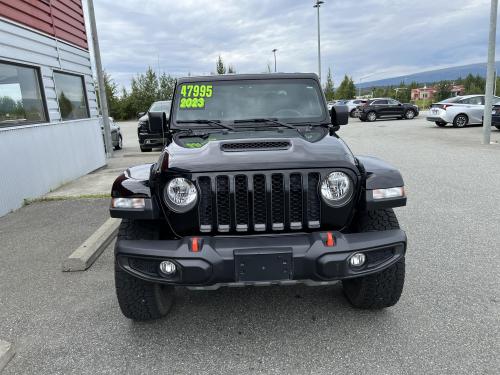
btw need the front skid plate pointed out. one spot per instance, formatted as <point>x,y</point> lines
<point>264,283</point>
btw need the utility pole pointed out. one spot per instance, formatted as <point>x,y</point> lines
<point>490,74</point>
<point>100,80</point>
<point>317,6</point>
<point>274,51</point>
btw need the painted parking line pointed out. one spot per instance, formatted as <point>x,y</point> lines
<point>88,252</point>
<point>7,351</point>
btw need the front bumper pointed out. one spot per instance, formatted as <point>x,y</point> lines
<point>240,259</point>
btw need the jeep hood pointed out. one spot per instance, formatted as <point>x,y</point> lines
<point>299,154</point>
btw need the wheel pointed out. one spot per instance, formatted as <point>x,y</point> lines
<point>382,289</point>
<point>441,124</point>
<point>119,146</point>
<point>352,113</point>
<point>140,300</point>
<point>371,116</point>
<point>410,114</point>
<point>460,121</point>
<point>144,149</point>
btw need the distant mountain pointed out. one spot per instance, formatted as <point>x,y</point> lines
<point>432,75</point>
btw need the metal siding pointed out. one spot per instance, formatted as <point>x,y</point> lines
<point>50,157</point>
<point>63,19</point>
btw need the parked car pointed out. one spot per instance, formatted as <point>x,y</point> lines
<point>150,136</point>
<point>254,187</point>
<point>386,108</point>
<point>116,135</point>
<point>353,104</point>
<point>495,119</point>
<point>459,111</point>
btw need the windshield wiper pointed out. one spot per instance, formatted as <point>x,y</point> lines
<point>209,122</point>
<point>267,120</point>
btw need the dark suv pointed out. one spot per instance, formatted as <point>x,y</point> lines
<point>386,108</point>
<point>255,187</point>
<point>152,135</point>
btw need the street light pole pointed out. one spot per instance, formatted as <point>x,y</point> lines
<point>317,6</point>
<point>274,51</point>
<point>490,74</point>
<point>100,80</point>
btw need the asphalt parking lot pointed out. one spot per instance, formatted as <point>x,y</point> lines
<point>447,321</point>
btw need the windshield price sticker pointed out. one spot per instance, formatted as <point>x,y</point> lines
<point>193,96</point>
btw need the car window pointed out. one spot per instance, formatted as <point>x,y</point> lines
<point>473,100</point>
<point>393,102</point>
<point>496,100</point>
<point>378,102</point>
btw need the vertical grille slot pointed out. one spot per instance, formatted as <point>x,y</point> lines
<point>259,202</point>
<point>205,206</point>
<point>223,204</point>
<point>241,202</point>
<point>277,202</point>
<point>313,204</point>
<point>295,201</point>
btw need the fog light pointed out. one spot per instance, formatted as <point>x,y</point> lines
<point>167,268</point>
<point>357,260</point>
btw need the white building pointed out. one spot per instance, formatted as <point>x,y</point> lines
<point>49,127</point>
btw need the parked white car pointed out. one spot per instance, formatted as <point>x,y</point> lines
<point>459,111</point>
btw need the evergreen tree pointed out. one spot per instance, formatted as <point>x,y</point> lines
<point>166,87</point>
<point>347,89</point>
<point>231,70</point>
<point>329,88</point>
<point>219,66</point>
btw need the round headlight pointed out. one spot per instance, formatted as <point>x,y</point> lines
<point>336,189</point>
<point>180,194</point>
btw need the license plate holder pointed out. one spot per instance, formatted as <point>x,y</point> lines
<point>263,265</point>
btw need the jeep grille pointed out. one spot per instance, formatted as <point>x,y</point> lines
<point>271,201</point>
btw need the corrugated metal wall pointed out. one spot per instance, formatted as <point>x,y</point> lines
<point>62,19</point>
<point>35,159</point>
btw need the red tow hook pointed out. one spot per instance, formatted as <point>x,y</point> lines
<point>195,244</point>
<point>330,240</point>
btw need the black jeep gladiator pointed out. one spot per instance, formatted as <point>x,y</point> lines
<point>255,187</point>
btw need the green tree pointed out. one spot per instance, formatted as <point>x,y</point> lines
<point>329,88</point>
<point>231,70</point>
<point>347,89</point>
<point>443,91</point>
<point>144,90</point>
<point>166,87</point>
<point>219,66</point>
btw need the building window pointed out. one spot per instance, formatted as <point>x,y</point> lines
<point>71,96</point>
<point>21,100</point>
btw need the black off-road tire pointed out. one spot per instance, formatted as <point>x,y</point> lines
<point>382,289</point>
<point>140,300</point>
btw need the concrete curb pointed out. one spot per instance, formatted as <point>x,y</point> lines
<point>88,252</point>
<point>7,351</point>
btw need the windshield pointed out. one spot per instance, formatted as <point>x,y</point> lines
<point>294,101</point>
<point>163,106</point>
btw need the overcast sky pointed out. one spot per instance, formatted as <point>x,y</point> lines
<point>359,38</point>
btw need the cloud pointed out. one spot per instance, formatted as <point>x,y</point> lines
<point>381,38</point>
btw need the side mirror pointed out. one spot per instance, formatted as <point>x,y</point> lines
<point>140,114</point>
<point>339,115</point>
